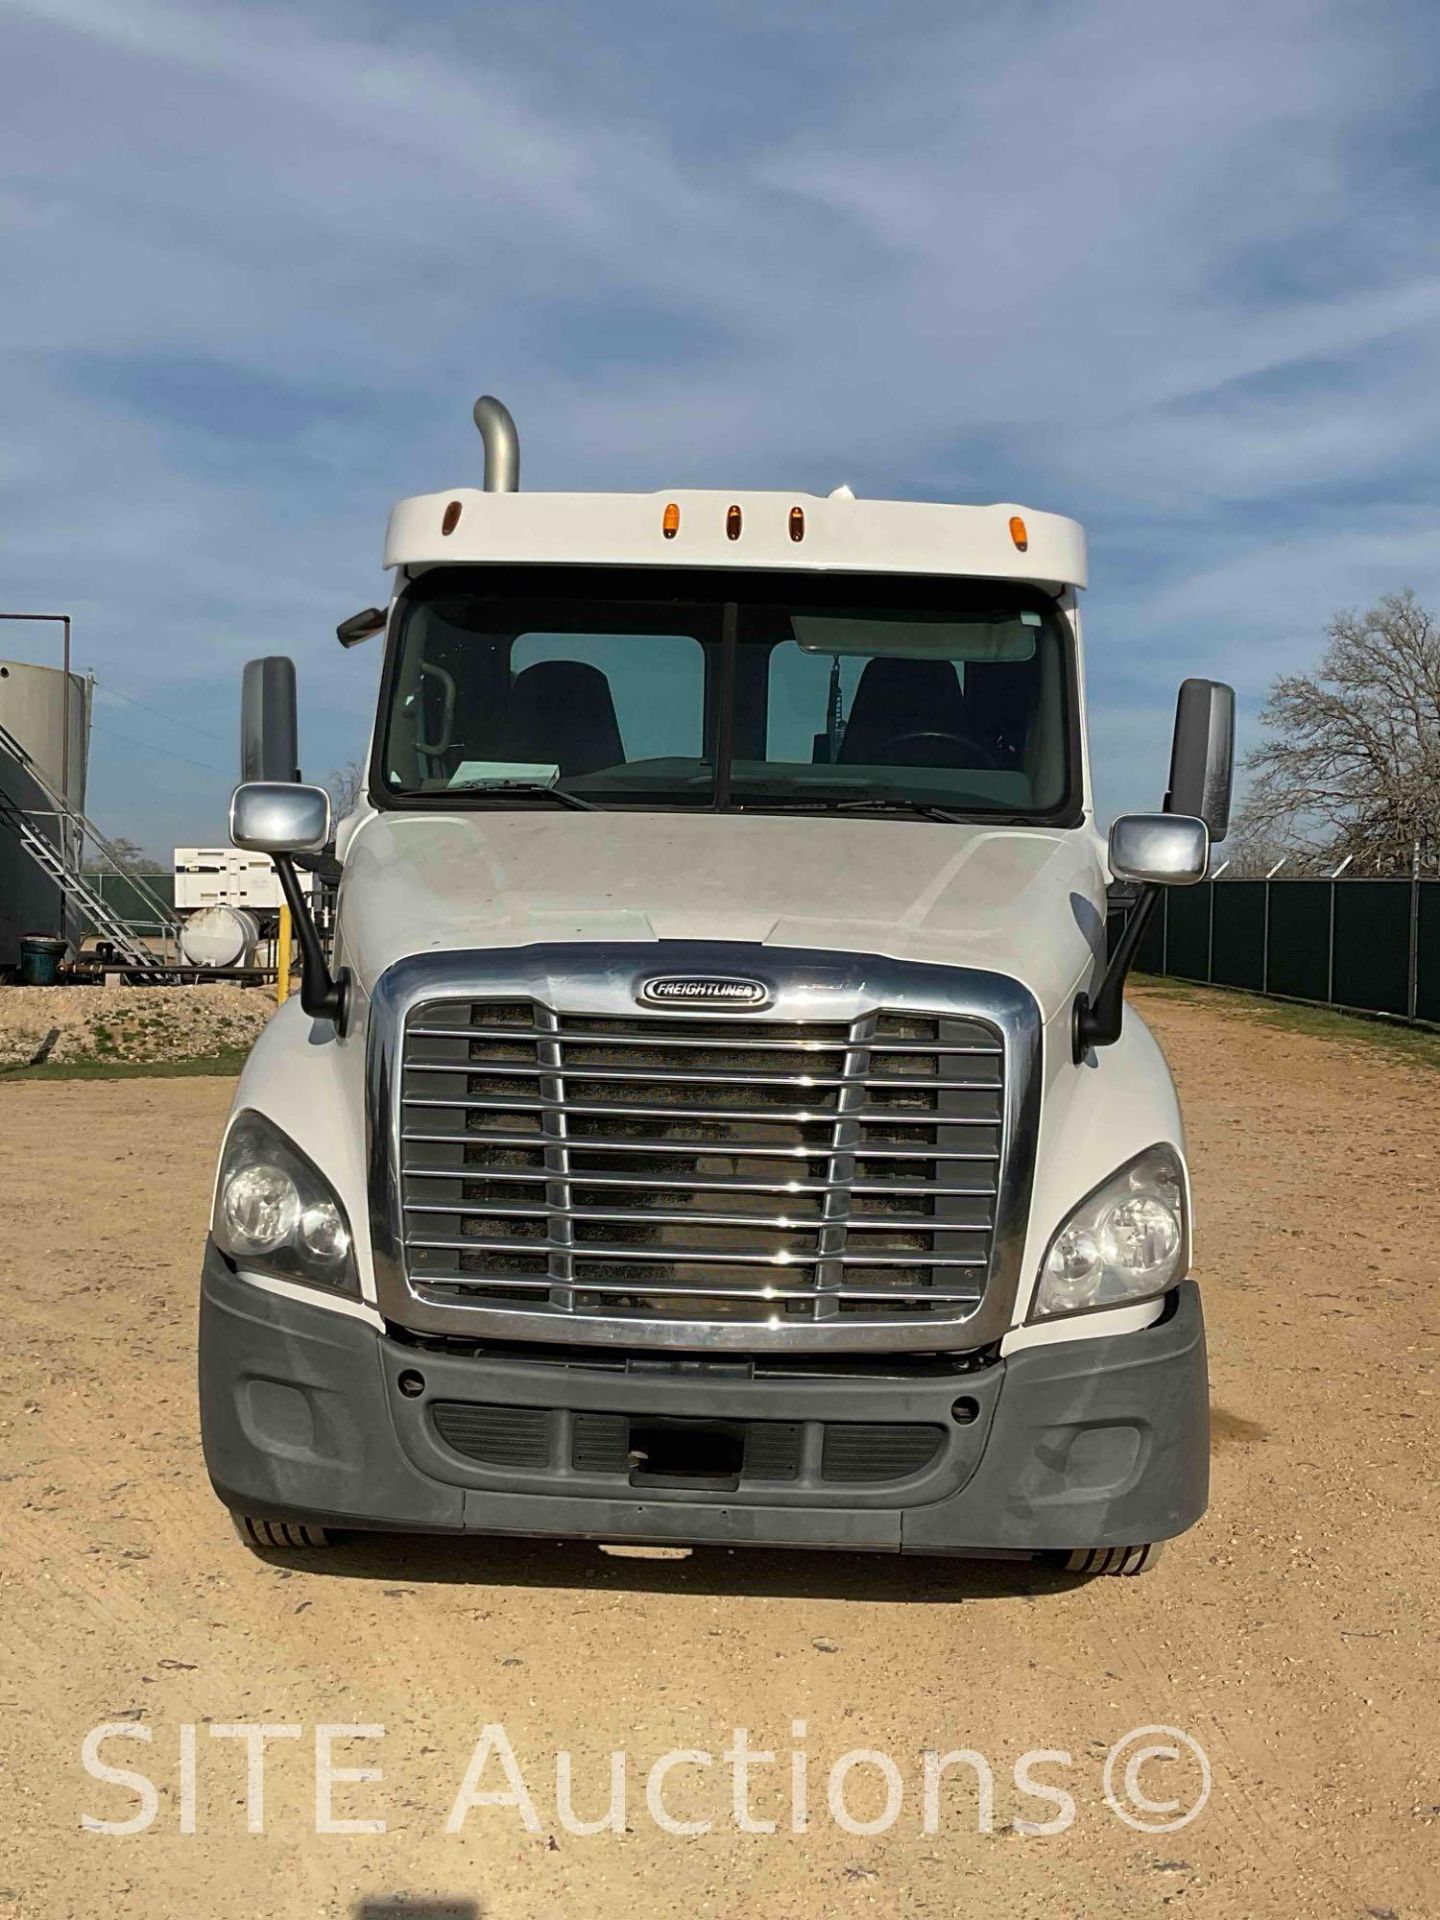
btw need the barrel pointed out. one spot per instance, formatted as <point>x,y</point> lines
<point>40,957</point>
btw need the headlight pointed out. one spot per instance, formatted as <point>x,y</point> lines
<point>1128,1240</point>
<point>275,1211</point>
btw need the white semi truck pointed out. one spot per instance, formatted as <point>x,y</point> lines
<point>717,1119</point>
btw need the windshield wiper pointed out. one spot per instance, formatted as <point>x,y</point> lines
<point>834,802</point>
<point>529,790</point>
<point>979,818</point>
<point>897,803</point>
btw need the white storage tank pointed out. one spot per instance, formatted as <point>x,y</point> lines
<point>219,937</point>
<point>55,733</point>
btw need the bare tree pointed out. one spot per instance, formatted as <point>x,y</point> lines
<point>130,857</point>
<point>1353,762</point>
<point>346,784</point>
<point>1252,850</point>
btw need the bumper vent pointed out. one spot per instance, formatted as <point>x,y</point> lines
<point>856,1454</point>
<point>622,1446</point>
<point>500,1436</point>
<point>699,1168</point>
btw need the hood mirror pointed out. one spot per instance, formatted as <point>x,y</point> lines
<point>1169,849</point>
<point>283,818</point>
<point>277,816</point>
<point>1159,849</point>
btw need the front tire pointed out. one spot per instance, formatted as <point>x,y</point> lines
<point>266,1536</point>
<point>1118,1562</point>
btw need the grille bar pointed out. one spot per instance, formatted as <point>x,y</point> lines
<point>462,1282</point>
<point>698,1184</point>
<point>700,1038</point>
<point>656,1216</point>
<point>846,1169</point>
<point>707,1077</point>
<point>503,1103</point>
<point>496,1136</point>
<point>691,1256</point>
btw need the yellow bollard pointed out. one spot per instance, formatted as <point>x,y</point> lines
<point>282,957</point>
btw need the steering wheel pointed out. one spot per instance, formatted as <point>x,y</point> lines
<point>974,750</point>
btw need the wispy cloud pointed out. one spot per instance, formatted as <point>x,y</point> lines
<point>1174,270</point>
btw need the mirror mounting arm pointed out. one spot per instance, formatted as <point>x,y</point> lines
<point>1097,1022</point>
<point>323,995</point>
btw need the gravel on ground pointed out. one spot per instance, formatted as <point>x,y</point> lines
<point>44,1024</point>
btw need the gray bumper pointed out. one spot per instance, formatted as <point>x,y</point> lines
<point>1088,1443</point>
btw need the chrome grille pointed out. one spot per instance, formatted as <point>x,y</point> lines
<point>699,1167</point>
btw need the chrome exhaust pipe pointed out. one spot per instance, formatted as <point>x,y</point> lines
<point>502,445</point>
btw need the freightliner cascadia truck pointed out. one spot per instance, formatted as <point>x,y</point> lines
<point>716,1117</point>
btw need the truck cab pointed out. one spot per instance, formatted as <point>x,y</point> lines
<point>716,1119</point>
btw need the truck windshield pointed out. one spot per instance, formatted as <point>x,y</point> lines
<point>519,687</point>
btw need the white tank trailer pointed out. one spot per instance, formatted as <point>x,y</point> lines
<point>35,714</point>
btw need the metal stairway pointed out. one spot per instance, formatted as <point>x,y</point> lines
<point>74,831</point>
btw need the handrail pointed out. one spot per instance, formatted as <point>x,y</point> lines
<point>73,817</point>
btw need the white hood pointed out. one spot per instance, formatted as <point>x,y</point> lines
<point>1028,902</point>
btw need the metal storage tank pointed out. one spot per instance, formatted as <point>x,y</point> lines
<point>33,711</point>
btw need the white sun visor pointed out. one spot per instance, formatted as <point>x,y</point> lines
<point>910,639</point>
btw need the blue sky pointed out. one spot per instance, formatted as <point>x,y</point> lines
<point>1173,269</point>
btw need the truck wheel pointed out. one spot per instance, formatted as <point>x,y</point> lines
<point>263,1535</point>
<point>1123,1561</point>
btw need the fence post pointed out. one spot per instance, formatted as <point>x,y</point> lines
<point>1210,939</point>
<point>1165,931</point>
<point>1412,995</point>
<point>1330,950</point>
<point>1265,944</point>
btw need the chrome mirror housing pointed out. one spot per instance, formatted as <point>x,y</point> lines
<point>279,816</point>
<point>1159,849</point>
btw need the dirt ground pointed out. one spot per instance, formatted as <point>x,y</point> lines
<point>1292,1635</point>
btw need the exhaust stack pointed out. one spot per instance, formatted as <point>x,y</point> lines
<point>502,445</point>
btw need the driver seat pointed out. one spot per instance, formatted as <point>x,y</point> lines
<point>563,711</point>
<point>896,697</point>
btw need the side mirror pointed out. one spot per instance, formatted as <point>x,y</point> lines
<point>278,816</point>
<point>269,730</point>
<point>1169,849</point>
<point>1202,757</point>
<point>360,626</point>
<point>283,818</point>
<point>1159,849</point>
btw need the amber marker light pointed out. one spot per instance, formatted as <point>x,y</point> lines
<point>670,521</point>
<point>451,518</point>
<point>1018,533</point>
<point>732,524</point>
<point>797,523</point>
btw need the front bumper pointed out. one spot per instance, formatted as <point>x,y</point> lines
<point>1086,1443</point>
